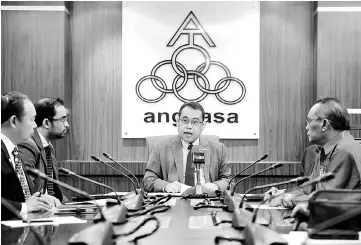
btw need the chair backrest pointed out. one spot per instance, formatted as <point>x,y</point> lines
<point>153,140</point>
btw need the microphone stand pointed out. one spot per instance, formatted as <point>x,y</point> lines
<point>234,176</point>
<point>67,171</point>
<point>133,201</point>
<point>99,233</point>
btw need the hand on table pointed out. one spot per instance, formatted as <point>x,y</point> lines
<point>38,203</point>
<point>173,187</point>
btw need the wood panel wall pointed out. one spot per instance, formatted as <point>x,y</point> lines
<point>35,53</point>
<point>78,57</point>
<point>339,55</point>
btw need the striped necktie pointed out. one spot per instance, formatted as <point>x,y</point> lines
<point>49,169</point>
<point>20,173</point>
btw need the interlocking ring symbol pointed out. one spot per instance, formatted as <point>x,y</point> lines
<point>185,74</point>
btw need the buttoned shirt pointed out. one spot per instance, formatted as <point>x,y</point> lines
<point>10,148</point>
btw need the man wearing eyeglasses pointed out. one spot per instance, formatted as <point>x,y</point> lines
<point>327,127</point>
<point>38,152</point>
<point>169,167</point>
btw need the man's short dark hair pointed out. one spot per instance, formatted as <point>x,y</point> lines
<point>194,106</point>
<point>12,104</point>
<point>335,112</point>
<point>45,108</point>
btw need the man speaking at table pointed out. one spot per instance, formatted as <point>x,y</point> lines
<point>169,167</point>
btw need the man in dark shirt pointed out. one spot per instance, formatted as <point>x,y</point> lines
<point>327,126</point>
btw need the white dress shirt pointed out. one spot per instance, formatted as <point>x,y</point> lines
<point>10,147</point>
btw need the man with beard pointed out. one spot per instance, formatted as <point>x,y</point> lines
<point>38,152</point>
<point>169,167</point>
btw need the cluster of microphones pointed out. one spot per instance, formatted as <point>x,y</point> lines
<point>138,203</point>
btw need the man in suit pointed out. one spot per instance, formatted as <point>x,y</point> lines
<point>169,167</point>
<point>38,152</point>
<point>17,124</point>
<point>327,126</point>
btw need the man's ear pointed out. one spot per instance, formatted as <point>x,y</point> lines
<point>13,121</point>
<point>324,125</point>
<point>46,123</point>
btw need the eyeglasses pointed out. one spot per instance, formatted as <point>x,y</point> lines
<point>309,120</point>
<point>185,121</point>
<point>62,119</point>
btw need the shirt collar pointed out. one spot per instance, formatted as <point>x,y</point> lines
<point>8,143</point>
<point>186,144</point>
<point>43,140</point>
<point>330,145</point>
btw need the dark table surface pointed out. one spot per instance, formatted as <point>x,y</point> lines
<point>175,227</point>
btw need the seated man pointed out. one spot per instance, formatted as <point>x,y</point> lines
<point>17,124</point>
<point>38,152</point>
<point>168,168</point>
<point>327,126</point>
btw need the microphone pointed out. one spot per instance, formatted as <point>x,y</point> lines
<point>125,169</point>
<point>132,202</point>
<point>67,171</point>
<point>116,170</point>
<point>37,173</point>
<point>298,180</point>
<point>276,165</point>
<point>198,191</point>
<point>234,176</point>
<point>327,176</point>
<point>13,210</point>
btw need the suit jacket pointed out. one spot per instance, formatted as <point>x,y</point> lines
<point>10,185</point>
<point>165,164</point>
<point>33,154</point>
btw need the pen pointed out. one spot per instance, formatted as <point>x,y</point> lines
<point>40,192</point>
<point>37,221</point>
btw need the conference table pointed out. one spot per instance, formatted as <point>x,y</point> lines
<point>181,224</point>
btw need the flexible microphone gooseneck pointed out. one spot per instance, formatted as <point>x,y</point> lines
<point>276,165</point>
<point>37,173</point>
<point>298,180</point>
<point>12,209</point>
<point>120,165</point>
<point>234,176</point>
<point>67,171</point>
<point>116,170</point>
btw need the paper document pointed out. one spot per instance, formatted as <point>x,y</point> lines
<point>46,221</point>
<point>100,202</point>
<point>266,206</point>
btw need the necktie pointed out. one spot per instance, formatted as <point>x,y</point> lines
<point>20,173</point>
<point>189,176</point>
<point>49,169</point>
<point>323,167</point>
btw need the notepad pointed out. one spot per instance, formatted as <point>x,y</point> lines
<point>54,221</point>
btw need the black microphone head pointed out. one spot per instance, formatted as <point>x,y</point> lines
<point>263,157</point>
<point>327,176</point>
<point>106,155</point>
<point>95,158</point>
<point>277,165</point>
<point>301,180</point>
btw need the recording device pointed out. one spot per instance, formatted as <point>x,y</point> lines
<point>198,158</point>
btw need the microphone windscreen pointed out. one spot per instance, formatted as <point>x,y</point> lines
<point>199,148</point>
<point>32,172</point>
<point>277,165</point>
<point>264,157</point>
<point>327,176</point>
<point>95,158</point>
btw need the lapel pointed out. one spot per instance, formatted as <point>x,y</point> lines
<point>7,156</point>
<point>207,157</point>
<point>178,156</point>
<point>38,142</point>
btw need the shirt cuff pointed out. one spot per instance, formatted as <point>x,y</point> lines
<point>24,209</point>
